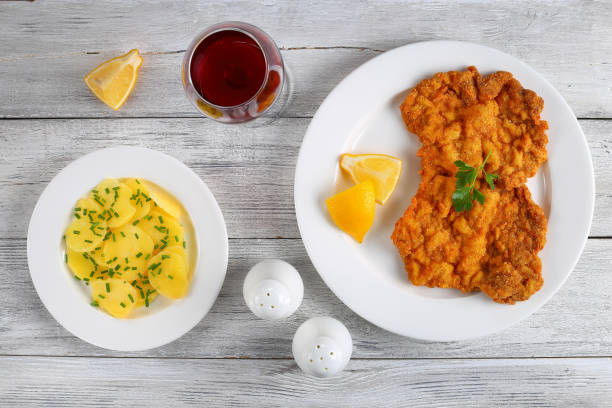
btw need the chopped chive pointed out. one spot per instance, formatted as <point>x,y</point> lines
<point>136,235</point>
<point>114,240</point>
<point>101,296</point>
<point>77,209</point>
<point>141,293</point>
<point>66,257</point>
<point>147,257</point>
<point>135,222</point>
<point>116,188</point>
<point>165,257</point>
<point>91,274</point>
<point>183,244</point>
<point>76,232</point>
<point>161,220</point>
<point>122,304</point>
<point>131,298</point>
<point>107,287</point>
<point>176,238</point>
<point>147,302</point>
<point>137,182</point>
<point>122,234</point>
<point>138,255</point>
<point>107,190</point>
<point>117,267</point>
<point>170,277</point>
<point>94,303</point>
<point>134,268</point>
<point>89,241</point>
<point>77,216</point>
<point>126,260</point>
<point>76,277</point>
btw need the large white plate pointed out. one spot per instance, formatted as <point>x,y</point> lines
<point>361,115</point>
<point>68,300</point>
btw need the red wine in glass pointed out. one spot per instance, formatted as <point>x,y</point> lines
<point>234,72</point>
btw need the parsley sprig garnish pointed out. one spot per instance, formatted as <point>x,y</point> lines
<point>466,193</point>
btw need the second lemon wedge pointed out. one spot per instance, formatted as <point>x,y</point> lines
<point>113,81</point>
<point>383,170</point>
<point>353,210</point>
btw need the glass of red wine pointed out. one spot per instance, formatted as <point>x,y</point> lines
<point>233,72</point>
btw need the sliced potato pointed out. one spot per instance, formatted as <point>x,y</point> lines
<point>164,200</point>
<point>140,198</point>
<point>87,208</point>
<point>115,296</point>
<point>83,235</point>
<point>115,198</point>
<point>179,250</point>
<point>163,229</point>
<point>146,292</point>
<point>81,264</point>
<point>168,274</point>
<point>126,252</point>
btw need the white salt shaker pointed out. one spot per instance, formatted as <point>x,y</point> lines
<point>273,289</point>
<point>322,346</point>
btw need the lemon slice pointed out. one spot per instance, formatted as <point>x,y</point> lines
<point>113,81</point>
<point>384,172</point>
<point>353,210</point>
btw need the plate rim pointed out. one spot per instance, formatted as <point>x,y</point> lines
<point>302,222</point>
<point>190,323</point>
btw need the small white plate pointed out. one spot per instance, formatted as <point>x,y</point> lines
<point>361,115</point>
<point>68,300</point>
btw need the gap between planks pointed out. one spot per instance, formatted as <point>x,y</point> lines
<point>188,116</point>
<point>289,358</point>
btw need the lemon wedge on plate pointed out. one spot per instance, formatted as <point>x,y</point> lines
<point>113,81</point>
<point>353,210</point>
<point>383,170</point>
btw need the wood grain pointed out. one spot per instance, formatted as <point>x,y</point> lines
<point>231,358</point>
<point>577,321</point>
<point>48,47</point>
<point>86,382</point>
<point>250,170</point>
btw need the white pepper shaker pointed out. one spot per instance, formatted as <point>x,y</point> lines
<point>273,289</point>
<point>322,346</point>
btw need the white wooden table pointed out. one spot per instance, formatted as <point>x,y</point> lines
<point>561,356</point>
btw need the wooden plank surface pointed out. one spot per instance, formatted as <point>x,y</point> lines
<point>85,382</point>
<point>577,321</point>
<point>47,47</point>
<point>48,118</point>
<point>250,170</point>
